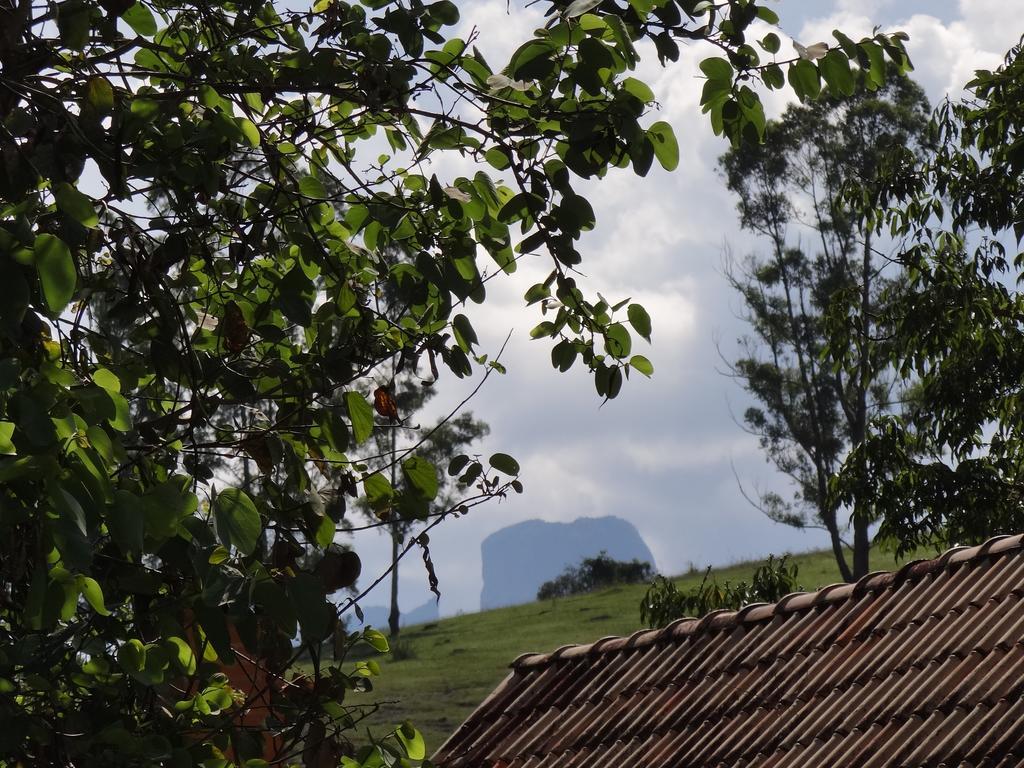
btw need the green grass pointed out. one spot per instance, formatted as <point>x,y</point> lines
<point>449,666</point>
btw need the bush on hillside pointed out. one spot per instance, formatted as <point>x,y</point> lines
<point>664,602</point>
<point>595,573</point>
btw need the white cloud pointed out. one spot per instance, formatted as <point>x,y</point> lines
<point>668,454</point>
<point>501,28</point>
<point>945,53</point>
<point>993,25</point>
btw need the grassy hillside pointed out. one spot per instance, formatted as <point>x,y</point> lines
<point>449,666</point>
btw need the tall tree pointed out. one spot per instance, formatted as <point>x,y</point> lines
<point>950,470</point>
<point>130,575</point>
<point>823,260</point>
<point>438,443</point>
<point>399,399</point>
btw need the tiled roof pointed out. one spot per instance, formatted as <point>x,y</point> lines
<point>919,667</point>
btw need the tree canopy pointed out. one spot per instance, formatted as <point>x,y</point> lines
<point>949,468</point>
<point>196,201</point>
<point>822,262</point>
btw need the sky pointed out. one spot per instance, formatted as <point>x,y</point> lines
<point>668,454</point>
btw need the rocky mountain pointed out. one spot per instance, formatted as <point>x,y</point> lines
<point>518,559</point>
<point>377,615</point>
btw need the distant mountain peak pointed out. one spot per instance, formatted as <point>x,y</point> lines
<point>521,557</point>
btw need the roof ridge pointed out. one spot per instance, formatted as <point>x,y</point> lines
<point>724,618</point>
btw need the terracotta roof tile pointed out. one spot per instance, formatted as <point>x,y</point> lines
<point>918,667</point>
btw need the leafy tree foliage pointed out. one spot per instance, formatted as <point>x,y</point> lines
<point>223,180</point>
<point>664,602</point>
<point>822,261</point>
<point>949,470</point>
<point>595,573</point>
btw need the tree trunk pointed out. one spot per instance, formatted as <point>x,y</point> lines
<point>861,546</point>
<point>808,382</point>
<point>861,542</point>
<point>837,548</point>
<point>394,615</point>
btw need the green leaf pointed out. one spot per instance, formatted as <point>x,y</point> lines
<point>73,17</point>
<point>237,520</point>
<point>214,626</point>
<point>575,214</point>
<point>56,270</point>
<point>641,364</point>
<point>250,131</point>
<point>465,336</point>
<point>803,78</point>
<point>563,355</point>
<point>6,433</point>
<point>324,533</point>
<point>504,463</point>
<point>421,475</point>
<point>360,414</point>
<point>639,89</point>
<point>297,295</point>
<point>157,662</point>
<point>107,380</point>
<point>310,186</point>
<point>75,204</point>
<point>666,148</point>
<point>536,293</point>
<point>100,441</point>
<point>93,594</point>
<point>209,97</point>
<point>126,523</point>
<point>182,654</point>
<point>849,47</point>
<point>876,59</point>
<point>166,506</point>
<point>140,19</point>
<point>543,329</point>
<point>497,158</point>
<point>614,382</point>
<point>717,68</point>
<point>314,613</point>
<point>275,604</point>
<point>640,321</point>
<point>121,420</point>
<point>61,596</point>
<point>457,464</point>
<point>412,742</point>
<point>579,7</point>
<point>100,94</point>
<point>379,493</point>
<point>617,341</point>
<point>520,206</point>
<point>771,43</point>
<point>773,76</point>
<point>835,69</point>
<point>376,639</point>
<point>132,656</point>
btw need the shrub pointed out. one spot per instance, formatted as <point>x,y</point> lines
<point>595,573</point>
<point>664,602</point>
<point>402,649</point>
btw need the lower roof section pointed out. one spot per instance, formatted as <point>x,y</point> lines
<point>919,667</point>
